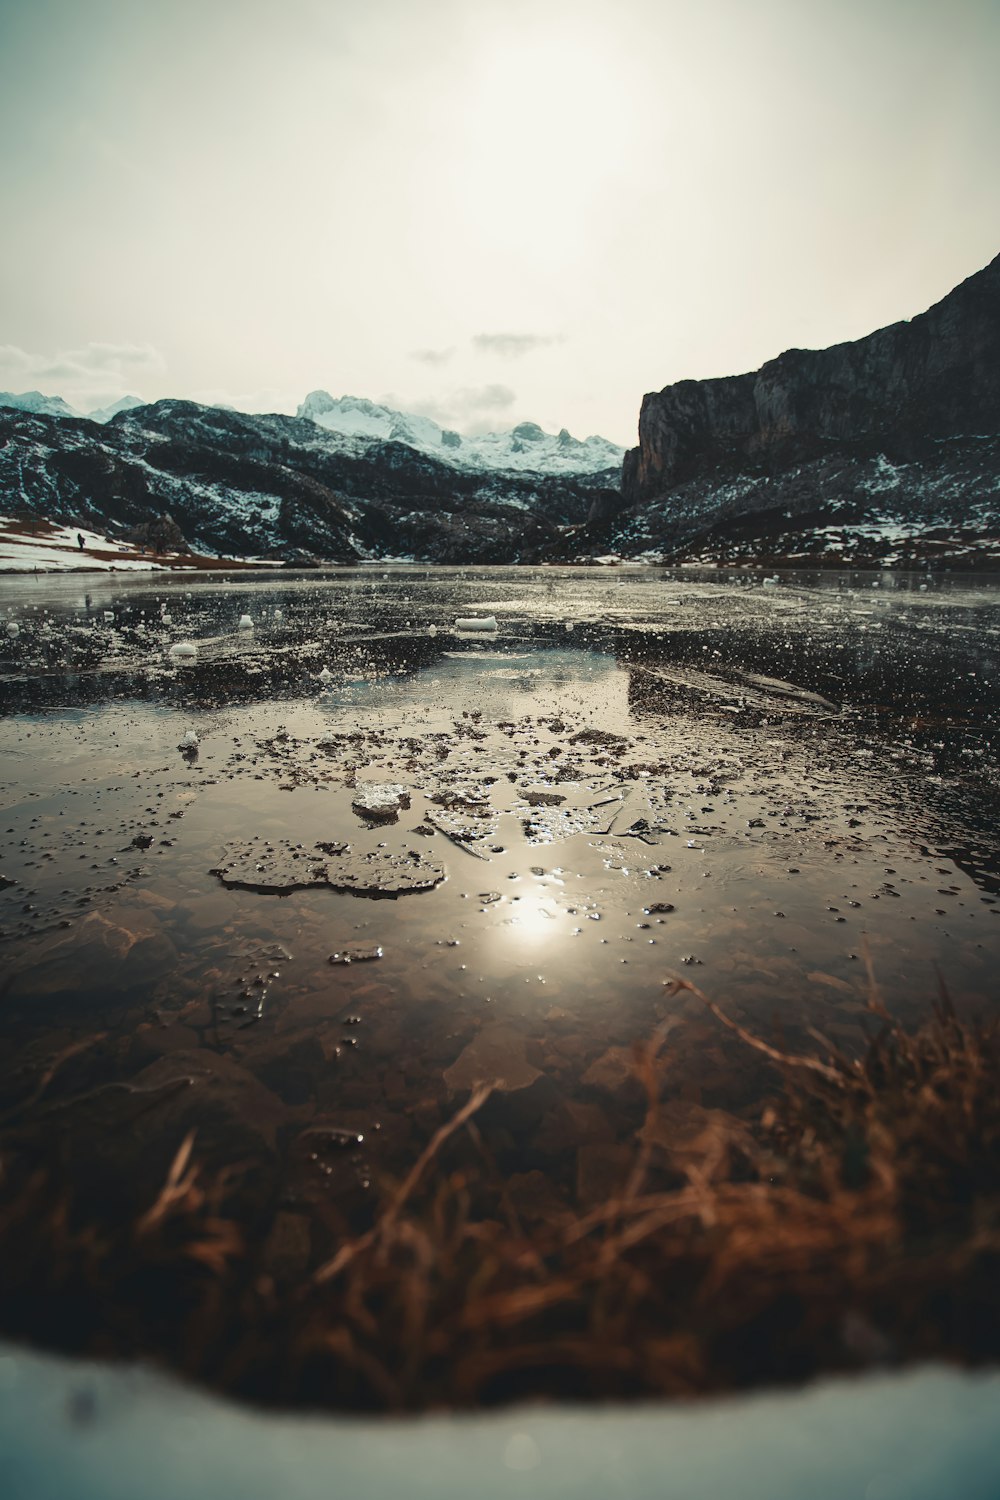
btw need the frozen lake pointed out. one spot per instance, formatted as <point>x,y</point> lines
<point>637,775</point>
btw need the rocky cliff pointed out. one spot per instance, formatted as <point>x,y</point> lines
<point>937,376</point>
<point>913,409</point>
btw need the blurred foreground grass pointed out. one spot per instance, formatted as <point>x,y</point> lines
<point>854,1222</point>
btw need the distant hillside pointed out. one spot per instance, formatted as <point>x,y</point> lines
<point>280,487</point>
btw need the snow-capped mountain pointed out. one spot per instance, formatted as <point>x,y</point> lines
<point>524,448</point>
<point>55,406</point>
<point>46,406</point>
<point>105,413</point>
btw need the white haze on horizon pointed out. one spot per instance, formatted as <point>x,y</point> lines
<point>483,212</point>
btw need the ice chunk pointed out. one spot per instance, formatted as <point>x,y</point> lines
<point>189,741</point>
<point>13,629</point>
<point>245,623</point>
<point>380,802</point>
<point>326,676</point>
<point>276,868</point>
<point>476,622</point>
<point>183,651</point>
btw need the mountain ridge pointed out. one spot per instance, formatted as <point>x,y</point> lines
<point>525,448</point>
<point>278,486</point>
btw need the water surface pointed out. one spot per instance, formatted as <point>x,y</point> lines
<point>640,774</point>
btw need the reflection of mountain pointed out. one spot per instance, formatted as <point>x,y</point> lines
<point>877,452</point>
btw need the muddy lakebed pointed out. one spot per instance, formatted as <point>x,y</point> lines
<point>302,889</point>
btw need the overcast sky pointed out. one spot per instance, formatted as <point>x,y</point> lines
<point>486,210</point>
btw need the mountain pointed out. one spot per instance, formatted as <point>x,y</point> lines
<point>51,406</point>
<point>525,448</point>
<point>55,406</point>
<point>282,487</point>
<point>885,450</point>
<point>105,413</point>
<point>882,452</point>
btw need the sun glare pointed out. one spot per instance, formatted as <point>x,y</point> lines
<point>545,126</point>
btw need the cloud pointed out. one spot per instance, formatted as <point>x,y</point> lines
<point>264,399</point>
<point>432,356</point>
<point>87,377</point>
<point>512,345</point>
<point>470,408</point>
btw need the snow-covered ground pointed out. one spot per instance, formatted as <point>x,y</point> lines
<point>47,548</point>
<point>73,1431</point>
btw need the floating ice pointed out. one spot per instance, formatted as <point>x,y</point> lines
<point>772,583</point>
<point>183,650</point>
<point>326,676</point>
<point>109,614</point>
<point>245,623</point>
<point>476,622</point>
<point>189,741</point>
<point>279,614</point>
<point>432,630</point>
<point>13,629</point>
<point>380,802</point>
<point>357,955</point>
<point>275,868</point>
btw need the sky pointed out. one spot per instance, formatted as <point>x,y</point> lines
<point>485,211</point>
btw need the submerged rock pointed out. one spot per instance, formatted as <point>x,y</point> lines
<point>495,1055</point>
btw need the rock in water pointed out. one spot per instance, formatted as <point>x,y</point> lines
<point>495,1055</point>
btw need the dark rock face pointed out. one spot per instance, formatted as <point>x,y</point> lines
<point>903,424</point>
<point>277,486</point>
<point>937,376</point>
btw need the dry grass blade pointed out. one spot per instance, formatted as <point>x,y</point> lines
<point>783,1059</point>
<point>73,1050</point>
<point>472,1105</point>
<point>349,1252</point>
<point>174,1191</point>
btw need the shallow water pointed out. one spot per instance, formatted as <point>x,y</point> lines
<point>641,774</point>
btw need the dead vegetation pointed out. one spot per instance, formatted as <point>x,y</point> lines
<point>856,1222</point>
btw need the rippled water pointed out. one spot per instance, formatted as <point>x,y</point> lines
<point>639,775</point>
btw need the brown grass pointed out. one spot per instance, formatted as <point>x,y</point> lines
<point>858,1224</point>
